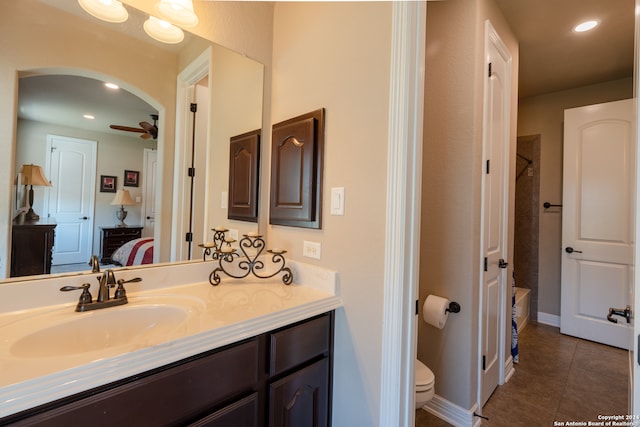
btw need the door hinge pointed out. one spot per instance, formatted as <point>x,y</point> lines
<point>484,362</point>
<point>191,172</point>
<point>52,148</point>
<point>488,166</point>
<point>417,305</point>
<point>490,69</point>
<point>188,237</point>
<point>486,264</point>
<point>193,107</point>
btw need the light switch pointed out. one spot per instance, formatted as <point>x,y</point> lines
<point>224,199</point>
<point>337,201</point>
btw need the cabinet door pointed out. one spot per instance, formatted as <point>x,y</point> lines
<point>302,398</point>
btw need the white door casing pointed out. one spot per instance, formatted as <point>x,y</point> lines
<point>598,220</point>
<point>149,183</point>
<point>495,203</point>
<point>71,167</point>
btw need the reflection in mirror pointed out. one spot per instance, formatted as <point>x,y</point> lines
<point>148,71</point>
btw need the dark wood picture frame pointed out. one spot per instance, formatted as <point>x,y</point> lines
<point>244,170</point>
<point>108,184</point>
<point>131,178</point>
<point>297,157</point>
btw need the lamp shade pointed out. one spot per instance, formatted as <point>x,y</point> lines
<point>179,12</point>
<point>123,198</point>
<point>33,175</point>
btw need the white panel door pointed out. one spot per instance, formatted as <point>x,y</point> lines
<point>149,191</point>
<point>598,221</point>
<point>72,169</point>
<point>494,215</point>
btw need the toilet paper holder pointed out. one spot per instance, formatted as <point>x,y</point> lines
<point>454,307</point>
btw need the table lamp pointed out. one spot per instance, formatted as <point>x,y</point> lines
<point>123,198</point>
<point>33,175</point>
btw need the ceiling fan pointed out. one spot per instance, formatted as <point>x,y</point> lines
<point>146,129</point>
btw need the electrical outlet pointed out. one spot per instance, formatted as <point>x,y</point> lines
<point>311,249</point>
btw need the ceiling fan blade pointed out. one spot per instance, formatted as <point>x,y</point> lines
<point>146,126</point>
<point>127,128</point>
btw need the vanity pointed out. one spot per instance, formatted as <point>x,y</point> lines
<point>245,353</point>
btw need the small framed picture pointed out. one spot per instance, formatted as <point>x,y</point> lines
<point>131,178</point>
<point>108,183</point>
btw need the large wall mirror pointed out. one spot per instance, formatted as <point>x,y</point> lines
<point>70,55</point>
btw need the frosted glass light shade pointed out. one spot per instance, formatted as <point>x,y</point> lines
<point>107,10</point>
<point>163,31</point>
<point>179,12</point>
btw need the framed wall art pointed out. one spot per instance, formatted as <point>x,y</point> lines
<point>108,183</point>
<point>131,178</point>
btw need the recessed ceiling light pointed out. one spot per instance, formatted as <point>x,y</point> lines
<point>586,26</point>
<point>112,86</point>
<point>89,116</point>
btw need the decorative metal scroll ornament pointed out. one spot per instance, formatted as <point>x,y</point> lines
<point>249,264</point>
<point>214,248</point>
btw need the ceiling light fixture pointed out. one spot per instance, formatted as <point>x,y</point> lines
<point>89,116</point>
<point>107,10</point>
<point>163,31</point>
<point>586,26</point>
<point>178,12</point>
<point>112,86</point>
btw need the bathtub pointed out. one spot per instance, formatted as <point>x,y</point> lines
<point>522,307</point>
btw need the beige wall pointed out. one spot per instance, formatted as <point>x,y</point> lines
<point>544,115</point>
<point>451,183</point>
<point>336,55</point>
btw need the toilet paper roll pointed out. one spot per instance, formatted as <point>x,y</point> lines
<point>434,311</point>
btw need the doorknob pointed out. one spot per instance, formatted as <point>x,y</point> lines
<point>502,263</point>
<point>570,250</point>
<point>626,313</point>
<point>84,217</point>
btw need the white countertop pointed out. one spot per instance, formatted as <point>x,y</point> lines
<point>227,313</point>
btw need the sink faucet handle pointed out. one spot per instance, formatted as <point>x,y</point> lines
<point>85,296</point>
<point>120,291</point>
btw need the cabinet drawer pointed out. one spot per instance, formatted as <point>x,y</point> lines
<point>195,388</point>
<point>242,413</point>
<point>298,344</point>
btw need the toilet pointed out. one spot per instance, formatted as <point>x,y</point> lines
<point>424,384</point>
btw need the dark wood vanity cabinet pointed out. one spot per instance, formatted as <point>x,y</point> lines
<point>32,247</point>
<point>281,378</point>
<point>112,238</point>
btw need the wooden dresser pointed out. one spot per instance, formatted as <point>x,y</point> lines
<point>111,238</point>
<point>32,246</point>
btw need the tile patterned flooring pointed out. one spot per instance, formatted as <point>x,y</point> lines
<point>559,378</point>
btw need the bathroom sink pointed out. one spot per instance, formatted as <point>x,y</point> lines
<point>143,322</point>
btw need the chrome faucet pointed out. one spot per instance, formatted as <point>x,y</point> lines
<point>95,264</point>
<point>106,280</point>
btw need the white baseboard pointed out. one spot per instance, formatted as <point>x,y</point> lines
<point>509,369</point>
<point>452,413</point>
<point>549,319</point>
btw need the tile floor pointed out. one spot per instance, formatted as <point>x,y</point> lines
<point>559,378</point>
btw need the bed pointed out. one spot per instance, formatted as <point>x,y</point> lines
<point>134,252</point>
